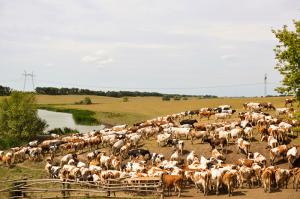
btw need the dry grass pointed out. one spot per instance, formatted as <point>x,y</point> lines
<point>115,111</point>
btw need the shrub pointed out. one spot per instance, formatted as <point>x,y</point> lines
<point>63,131</point>
<point>125,99</point>
<point>85,101</point>
<point>177,98</point>
<point>166,98</point>
<point>185,98</point>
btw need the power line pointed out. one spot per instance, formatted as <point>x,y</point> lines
<point>30,75</point>
<point>265,82</point>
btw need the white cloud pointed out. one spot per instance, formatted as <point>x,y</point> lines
<point>99,58</point>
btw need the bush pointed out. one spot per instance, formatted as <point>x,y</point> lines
<point>63,131</point>
<point>125,99</point>
<point>166,98</point>
<point>85,101</point>
<point>185,98</point>
<point>177,98</point>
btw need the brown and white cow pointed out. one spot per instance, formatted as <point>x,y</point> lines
<point>279,151</point>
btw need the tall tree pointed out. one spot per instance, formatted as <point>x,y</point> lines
<point>19,119</point>
<point>287,54</point>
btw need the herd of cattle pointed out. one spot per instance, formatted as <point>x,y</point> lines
<point>125,159</point>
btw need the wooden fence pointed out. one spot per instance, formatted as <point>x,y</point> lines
<point>143,187</point>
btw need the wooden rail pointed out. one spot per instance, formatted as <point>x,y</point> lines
<point>55,188</point>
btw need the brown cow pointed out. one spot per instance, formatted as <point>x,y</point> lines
<point>267,178</point>
<point>170,181</point>
<point>229,179</point>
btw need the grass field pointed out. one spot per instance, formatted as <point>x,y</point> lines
<point>110,110</point>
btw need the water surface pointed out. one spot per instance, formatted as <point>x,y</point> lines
<point>61,120</point>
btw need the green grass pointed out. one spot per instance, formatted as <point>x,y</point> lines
<point>83,117</point>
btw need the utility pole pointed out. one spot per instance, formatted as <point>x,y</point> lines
<point>265,82</point>
<point>25,79</point>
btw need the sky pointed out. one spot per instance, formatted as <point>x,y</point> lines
<point>196,47</point>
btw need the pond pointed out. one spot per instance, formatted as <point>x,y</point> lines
<point>61,120</point>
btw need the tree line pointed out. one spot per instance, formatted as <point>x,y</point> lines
<point>5,91</point>
<point>119,94</point>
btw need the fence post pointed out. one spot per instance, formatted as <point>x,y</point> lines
<point>17,188</point>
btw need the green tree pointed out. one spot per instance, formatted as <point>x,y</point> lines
<point>287,54</point>
<point>19,121</point>
<point>87,100</point>
<point>125,99</point>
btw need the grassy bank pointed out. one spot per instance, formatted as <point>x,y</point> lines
<point>83,117</point>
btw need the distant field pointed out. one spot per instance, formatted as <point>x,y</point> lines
<point>114,111</point>
<point>111,110</point>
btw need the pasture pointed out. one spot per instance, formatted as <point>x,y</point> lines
<point>115,111</point>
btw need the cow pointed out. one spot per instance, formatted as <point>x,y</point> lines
<point>216,154</point>
<point>163,138</point>
<point>217,142</point>
<point>206,114</point>
<point>292,155</point>
<point>202,178</point>
<point>216,179</point>
<point>137,152</point>
<point>170,181</point>
<point>277,152</point>
<point>267,178</point>
<point>296,178</point>
<point>190,122</point>
<point>246,174</point>
<point>243,146</point>
<point>198,135</point>
<point>222,116</point>
<point>230,180</point>
<point>289,101</point>
<point>282,177</point>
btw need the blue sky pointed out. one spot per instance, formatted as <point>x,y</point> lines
<point>184,46</point>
